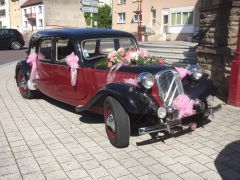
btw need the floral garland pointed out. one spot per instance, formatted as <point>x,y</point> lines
<point>129,56</point>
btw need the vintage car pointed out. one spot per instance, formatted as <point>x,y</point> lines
<point>81,67</point>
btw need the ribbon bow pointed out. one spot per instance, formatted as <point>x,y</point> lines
<point>183,72</point>
<point>32,59</point>
<point>72,61</point>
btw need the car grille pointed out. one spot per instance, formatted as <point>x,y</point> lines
<point>169,86</point>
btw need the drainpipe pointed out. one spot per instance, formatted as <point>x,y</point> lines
<point>140,23</point>
<point>234,85</point>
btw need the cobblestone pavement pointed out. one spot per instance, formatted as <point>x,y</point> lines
<point>41,140</point>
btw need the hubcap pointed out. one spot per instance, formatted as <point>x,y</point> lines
<point>109,119</point>
<point>16,45</point>
<point>22,83</point>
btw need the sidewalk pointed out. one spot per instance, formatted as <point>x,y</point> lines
<point>44,139</point>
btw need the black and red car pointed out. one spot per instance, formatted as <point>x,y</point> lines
<point>139,96</point>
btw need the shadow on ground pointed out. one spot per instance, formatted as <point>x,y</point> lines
<point>227,162</point>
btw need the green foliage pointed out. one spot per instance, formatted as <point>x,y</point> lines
<point>103,17</point>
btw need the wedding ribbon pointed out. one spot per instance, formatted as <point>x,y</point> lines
<point>32,59</point>
<point>112,72</point>
<point>72,61</point>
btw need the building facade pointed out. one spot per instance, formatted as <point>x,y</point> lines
<point>161,19</point>
<point>48,14</point>
<point>16,14</point>
<point>4,14</point>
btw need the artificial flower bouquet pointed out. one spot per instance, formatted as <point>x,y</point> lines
<point>128,56</point>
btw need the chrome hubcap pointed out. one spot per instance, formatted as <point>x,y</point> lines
<point>23,84</point>
<point>110,122</point>
<point>15,45</point>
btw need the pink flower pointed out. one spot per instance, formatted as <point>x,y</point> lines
<point>112,55</point>
<point>121,51</point>
<point>110,64</point>
<point>144,52</point>
<point>161,62</point>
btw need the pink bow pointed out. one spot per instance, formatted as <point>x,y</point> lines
<point>72,61</point>
<point>131,81</point>
<point>32,59</point>
<point>112,72</point>
<point>185,106</point>
<point>183,72</point>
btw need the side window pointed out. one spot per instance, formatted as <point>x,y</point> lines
<point>45,50</point>
<point>123,42</point>
<point>89,48</point>
<point>64,47</point>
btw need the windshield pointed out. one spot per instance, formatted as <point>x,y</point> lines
<point>101,47</point>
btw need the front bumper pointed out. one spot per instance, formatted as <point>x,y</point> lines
<point>184,123</point>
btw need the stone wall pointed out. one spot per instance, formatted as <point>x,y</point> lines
<point>218,33</point>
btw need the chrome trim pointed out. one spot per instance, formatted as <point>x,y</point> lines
<point>175,82</point>
<point>151,129</point>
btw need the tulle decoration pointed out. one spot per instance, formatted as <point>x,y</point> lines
<point>112,72</point>
<point>184,105</point>
<point>32,58</point>
<point>72,61</point>
<point>131,81</point>
<point>183,72</point>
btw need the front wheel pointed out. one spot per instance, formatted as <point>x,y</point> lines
<point>116,123</point>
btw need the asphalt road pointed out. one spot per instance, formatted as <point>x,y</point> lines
<point>11,55</point>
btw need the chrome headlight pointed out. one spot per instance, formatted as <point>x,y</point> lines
<point>146,80</point>
<point>196,71</point>
<point>162,112</point>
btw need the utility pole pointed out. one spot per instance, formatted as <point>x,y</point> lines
<point>140,22</point>
<point>234,85</point>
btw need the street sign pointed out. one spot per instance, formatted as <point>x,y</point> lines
<point>90,3</point>
<point>87,9</point>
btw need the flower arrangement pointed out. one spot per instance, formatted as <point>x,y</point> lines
<point>127,56</point>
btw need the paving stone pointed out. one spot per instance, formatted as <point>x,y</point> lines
<point>55,175</point>
<point>178,168</point>
<point>185,159</point>
<point>169,176</point>
<point>7,162</point>
<point>118,171</point>
<point>109,163</point>
<point>91,164</point>
<point>30,168</point>
<point>129,162</point>
<point>50,167</point>
<point>209,175</point>
<point>207,151</point>
<point>45,159</point>
<point>15,176</point>
<point>139,170</point>
<point>203,159</point>
<point>98,172</point>
<point>147,161</point>
<point>197,167</point>
<point>8,170</point>
<point>166,160</point>
<point>190,175</point>
<point>158,169</point>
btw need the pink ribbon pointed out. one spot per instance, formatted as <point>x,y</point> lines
<point>131,81</point>
<point>112,72</point>
<point>32,59</point>
<point>72,61</point>
<point>183,72</point>
<point>185,106</point>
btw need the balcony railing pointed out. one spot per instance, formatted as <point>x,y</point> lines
<point>30,15</point>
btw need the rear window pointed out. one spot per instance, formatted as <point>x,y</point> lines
<point>96,48</point>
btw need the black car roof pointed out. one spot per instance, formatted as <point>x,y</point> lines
<point>82,33</point>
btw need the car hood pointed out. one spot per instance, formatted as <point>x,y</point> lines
<point>144,68</point>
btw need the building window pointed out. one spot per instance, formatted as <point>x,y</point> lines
<point>25,11</point>
<point>136,17</point>
<point>40,9</point>
<point>2,13</point>
<point>182,18</point>
<point>121,1</point>
<point>153,17</point>
<point>2,2</point>
<point>40,23</point>
<point>121,17</point>
<point>25,24</point>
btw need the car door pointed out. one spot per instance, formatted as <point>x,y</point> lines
<point>44,66</point>
<point>4,38</point>
<point>63,90</point>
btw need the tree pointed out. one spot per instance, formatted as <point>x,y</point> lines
<point>103,17</point>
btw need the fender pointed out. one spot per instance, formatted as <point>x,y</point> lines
<point>203,88</point>
<point>25,67</point>
<point>132,98</point>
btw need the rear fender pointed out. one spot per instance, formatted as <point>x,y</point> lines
<point>132,99</point>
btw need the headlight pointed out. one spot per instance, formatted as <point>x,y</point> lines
<point>210,100</point>
<point>146,80</point>
<point>162,112</point>
<point>196,71</point>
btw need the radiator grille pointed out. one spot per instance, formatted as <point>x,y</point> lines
<point>169,86</point>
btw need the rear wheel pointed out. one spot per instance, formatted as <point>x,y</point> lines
<point>22,85</point>
<point>16,45</point>
<point>116,123</point>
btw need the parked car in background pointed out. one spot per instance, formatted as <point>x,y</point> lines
<point>11,39</point>
<point>104,71</point>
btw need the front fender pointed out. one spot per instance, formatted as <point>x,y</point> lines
<point>203,88</point>
<point>131,98</point>
<point>25,67</point>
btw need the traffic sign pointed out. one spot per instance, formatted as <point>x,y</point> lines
<point>87,9</point>
<point>90,3</point>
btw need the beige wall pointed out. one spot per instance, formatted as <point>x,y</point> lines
<point>15,14</point>
<point>62,13</point>
<point>147,5</point>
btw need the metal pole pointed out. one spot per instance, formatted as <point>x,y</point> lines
<point>234,85</point>
<point>140,23</point>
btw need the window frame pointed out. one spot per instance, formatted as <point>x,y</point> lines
<point>175,16</point>
<point>121,1</point>
<point>52,49</point>
<point>124,20</point>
